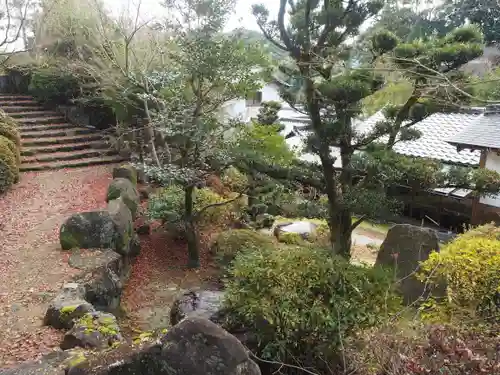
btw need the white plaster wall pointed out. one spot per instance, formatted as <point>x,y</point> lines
<point>270,92</point>
<point>493,163</point>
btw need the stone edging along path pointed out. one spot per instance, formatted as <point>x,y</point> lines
<point>103,245</point>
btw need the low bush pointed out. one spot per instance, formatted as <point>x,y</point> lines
<point>51,85</point>
<point>302,303</point>
<point>470,268</point>
<point>230,243</point>
<point>413,348</point>
<point>234,180</point>
<point>168,206</point>
<point>13,148</point>
<point>8,129</point>
<point>9,170</point>
<point>291,238</point>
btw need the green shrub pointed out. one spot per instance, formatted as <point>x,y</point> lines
<point>53,86</point>
<point>230,243</point>
<point>8,130</point>
<point>168,206</point>
<point>9,171</point>
<point>12,147</point>
<point>470,268</point>
<point>234,179</point>
<point>291,238</point>
<point>303,302</point>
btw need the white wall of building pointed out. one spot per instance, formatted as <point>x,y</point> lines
<point>492,163</point>
<point>238,108</point>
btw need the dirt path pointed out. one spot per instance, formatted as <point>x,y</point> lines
<point>31,266</point>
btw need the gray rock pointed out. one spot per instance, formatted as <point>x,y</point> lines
<point>205,304</point>
<point>50,364</point>
<point>89,230</point>
<point>303,228</point>
<point>126,171</point>
<point>105,273</point>
<point>122,219</point>
<point>122,187</point>
<point>69,305</point>
<point>403,249</point>
<point>93,330</point>
<point>193,347</point>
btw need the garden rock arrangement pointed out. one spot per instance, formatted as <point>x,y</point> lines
<point>203,304</point>
<point>103,245</point>
<point>403,249</point>
<point>195,346</point>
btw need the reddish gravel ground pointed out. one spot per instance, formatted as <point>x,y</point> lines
<point>32,267</point>
<point>158,276</point>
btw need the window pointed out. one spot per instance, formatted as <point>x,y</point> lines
<point>254,99</point>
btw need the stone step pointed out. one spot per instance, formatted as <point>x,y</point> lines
<point>41,113</point>
<point>68,155</point>
<point>41,166</point>
<point>66,140</point>
<point>42,120</point>
<point>20,111</point>
<point>53,133</point>
<point>15,97</point>
<point>29,151</point>
<point>17,103</point>
<point>41,127</point>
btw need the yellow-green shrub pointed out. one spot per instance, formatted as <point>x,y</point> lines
<point>303,303</point>
<point>230,243</point>
<point>291,238</point>
<point>234,179</point>
<point>13,148</point>
<point>10,131</point>
<point>470,268</point>
<point>9,171</point>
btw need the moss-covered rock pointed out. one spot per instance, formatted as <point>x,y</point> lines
<point>126,171</point>
<point>90,230</point>
<point>93,330</point>
<point>228,244</point>
<point>68,305</point>
<point>123,220</point>
<point>122,187</point>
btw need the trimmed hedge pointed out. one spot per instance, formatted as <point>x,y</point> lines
<point>9,130</point>
<point>13,148</point>
<point>9,170</point>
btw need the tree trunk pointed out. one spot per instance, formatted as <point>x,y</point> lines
<point>342,234</point>
<point>191,232</point>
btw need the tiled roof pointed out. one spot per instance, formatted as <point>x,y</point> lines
<point>436,130</point>
<point>484,132</point>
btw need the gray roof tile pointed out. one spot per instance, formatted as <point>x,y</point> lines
<point>436,130</point>
<point>484,132</point>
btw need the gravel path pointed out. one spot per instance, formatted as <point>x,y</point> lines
<point>32,268</point>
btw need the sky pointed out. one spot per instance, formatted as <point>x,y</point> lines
<point>152,8</point>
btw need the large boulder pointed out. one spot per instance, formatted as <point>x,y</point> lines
<point>94,330</point>
<point>304,229</point>
<point>193,347</point>
<point>89,230</point>
<point>122,218</point>
<point>205,304</point>
<point>103,277</point>
<point>122,187</point>
<point>403,249</point>
<point>69,305</point>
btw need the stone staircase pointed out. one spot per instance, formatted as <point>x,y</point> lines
<point>50,142</point>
